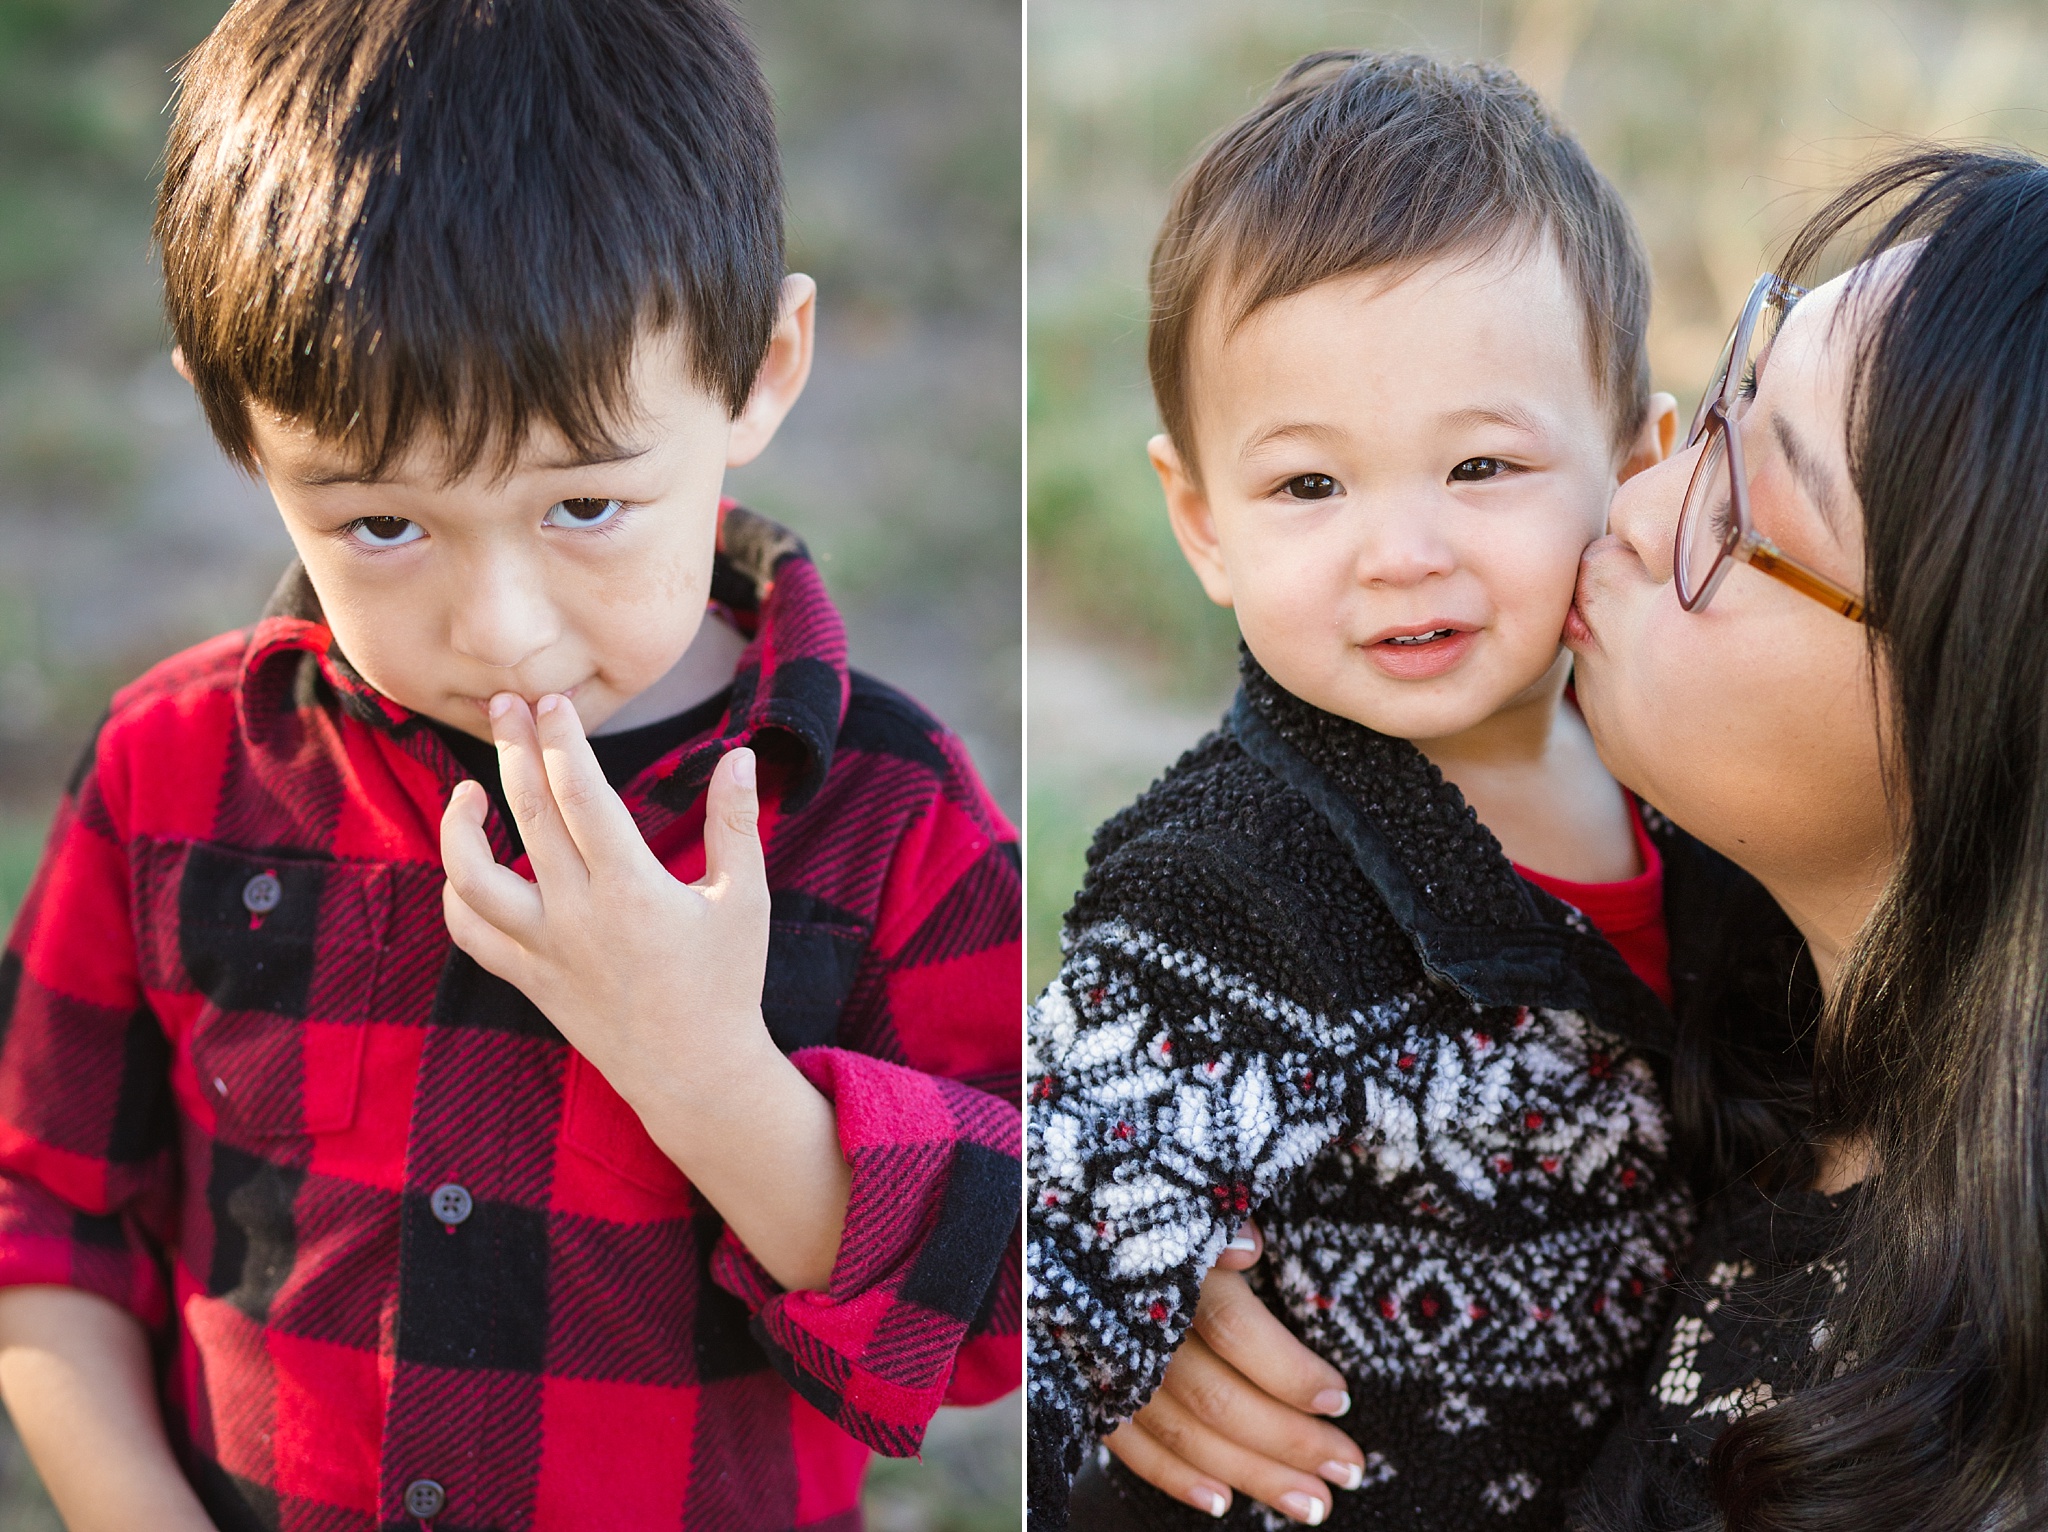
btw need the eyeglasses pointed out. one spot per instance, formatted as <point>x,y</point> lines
<point>1714,529</point>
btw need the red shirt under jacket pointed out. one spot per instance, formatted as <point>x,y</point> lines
<point>408,1250</point>
<point>1629,912</point>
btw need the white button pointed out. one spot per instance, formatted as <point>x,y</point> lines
<point>261,893</point>
<point>424,1498</point>
<point>451,1203</point>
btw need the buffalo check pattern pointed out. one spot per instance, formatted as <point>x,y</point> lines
<point>241,1057</point>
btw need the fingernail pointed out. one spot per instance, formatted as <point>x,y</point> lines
<point>1331,1401</point>
<point>501,704</point>
<point>1343,1475</point>
<point>1213,1501</point>
<point>549,703</point>
<point>1242,1242</point>
<point>743,769</point>
<point>1305,1508</point>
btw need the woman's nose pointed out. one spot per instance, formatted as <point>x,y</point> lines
<point>1645,510</point>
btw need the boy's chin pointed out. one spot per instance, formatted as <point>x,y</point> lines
<point>1419,711</point>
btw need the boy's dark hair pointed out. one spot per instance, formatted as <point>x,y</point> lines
<point>384,215</point>
<point>1358,161</point>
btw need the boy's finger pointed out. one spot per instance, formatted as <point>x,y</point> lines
<point>1244,1249</point>
<point>1143,1456</point>
<point>549,846</point>
<point>493,893</point>
<point>732,830</point>
<point>1241,1330</point>
<point>494,951</point>
<point>597,819</point>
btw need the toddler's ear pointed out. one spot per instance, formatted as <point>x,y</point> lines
<point>178,361</point>
<point>1194,524</point>
<point>1654,441</point>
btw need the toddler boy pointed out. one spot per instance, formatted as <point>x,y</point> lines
<point>1385,960</point>
<point>685,1174</point>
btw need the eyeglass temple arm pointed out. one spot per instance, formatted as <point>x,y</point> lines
<point>1762,554</point>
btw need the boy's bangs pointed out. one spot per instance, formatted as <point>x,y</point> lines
<point>374,390</point>
<point>414,220</point>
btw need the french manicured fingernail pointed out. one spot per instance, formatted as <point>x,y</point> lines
<point>743,769</point>
<point>1331,1401</point>
<point>501,704</point>
<point>1214,1501</point>
<point>1242,1242</point>
<point>1305,1508</point>
<point>1343,1475</point>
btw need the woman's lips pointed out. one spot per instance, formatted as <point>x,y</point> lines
<point>1421,656</point>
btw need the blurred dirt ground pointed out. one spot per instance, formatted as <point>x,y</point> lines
<point>124,536</point>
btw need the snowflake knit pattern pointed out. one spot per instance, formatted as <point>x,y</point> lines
<point>1302,982</point>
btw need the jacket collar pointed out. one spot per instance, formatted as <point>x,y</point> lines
<point>789,694</point>
<point>1476,924</point>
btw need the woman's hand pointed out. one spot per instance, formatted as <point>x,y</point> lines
<point>1240,1407</point>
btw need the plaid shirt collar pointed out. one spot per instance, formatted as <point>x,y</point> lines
<point>789,694</point>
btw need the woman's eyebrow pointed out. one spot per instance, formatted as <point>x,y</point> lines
<point>1816,477</point>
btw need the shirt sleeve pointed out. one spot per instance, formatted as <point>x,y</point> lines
<point>87,1179</point>
<point>1168,1098</point>
<point>922,1307</point>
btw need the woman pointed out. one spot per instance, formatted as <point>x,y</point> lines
<point>1861,1336</point>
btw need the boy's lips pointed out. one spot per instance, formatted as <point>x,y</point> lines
<point>1419,651</point>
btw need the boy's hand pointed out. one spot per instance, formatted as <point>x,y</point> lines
<point>655,981</point>
<point>1239,1406</point>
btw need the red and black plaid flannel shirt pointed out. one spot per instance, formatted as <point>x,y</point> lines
<point>241,1059</point>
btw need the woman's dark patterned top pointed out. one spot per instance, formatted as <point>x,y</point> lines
<point>1302,980</point>
<point>1747,1320</point>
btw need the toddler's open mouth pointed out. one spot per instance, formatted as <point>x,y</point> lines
<point>1420,653</point>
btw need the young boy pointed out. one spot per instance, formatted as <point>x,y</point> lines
<point>1385,959</point>
<point>612,1128</point>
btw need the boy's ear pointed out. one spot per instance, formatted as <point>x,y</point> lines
<point>178,361</point>
<point>784,371</point>
<point>1654,441</point>
<point>1194,524</point>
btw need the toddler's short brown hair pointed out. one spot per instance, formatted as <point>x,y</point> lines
<point>1357,161</point>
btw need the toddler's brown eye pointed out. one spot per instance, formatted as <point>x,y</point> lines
<point>1310,486</point>
<point>1475,470</point>
<point>584,511</point>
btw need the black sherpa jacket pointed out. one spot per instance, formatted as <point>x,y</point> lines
<point>1303,981</point>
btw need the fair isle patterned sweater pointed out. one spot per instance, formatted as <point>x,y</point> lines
<point>1302,981</point>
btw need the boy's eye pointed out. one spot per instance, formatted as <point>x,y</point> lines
<point>1310,486</point>
<point>584,512</point>
<point>1477,470</point>
<point>384,531</point>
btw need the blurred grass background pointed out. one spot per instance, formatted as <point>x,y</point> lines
<point>124,536</point>
<point>1722,123</point>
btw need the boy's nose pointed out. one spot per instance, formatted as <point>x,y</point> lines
<point>500,620</point>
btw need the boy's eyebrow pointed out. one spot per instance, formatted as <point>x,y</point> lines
<point>1807,467</point>
<point>321,478</point>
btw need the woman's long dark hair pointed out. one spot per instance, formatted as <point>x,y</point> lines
<point>1929,1407</point>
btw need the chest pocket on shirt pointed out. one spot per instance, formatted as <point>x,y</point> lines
<point>284,954</point>
<point>811,967</point>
